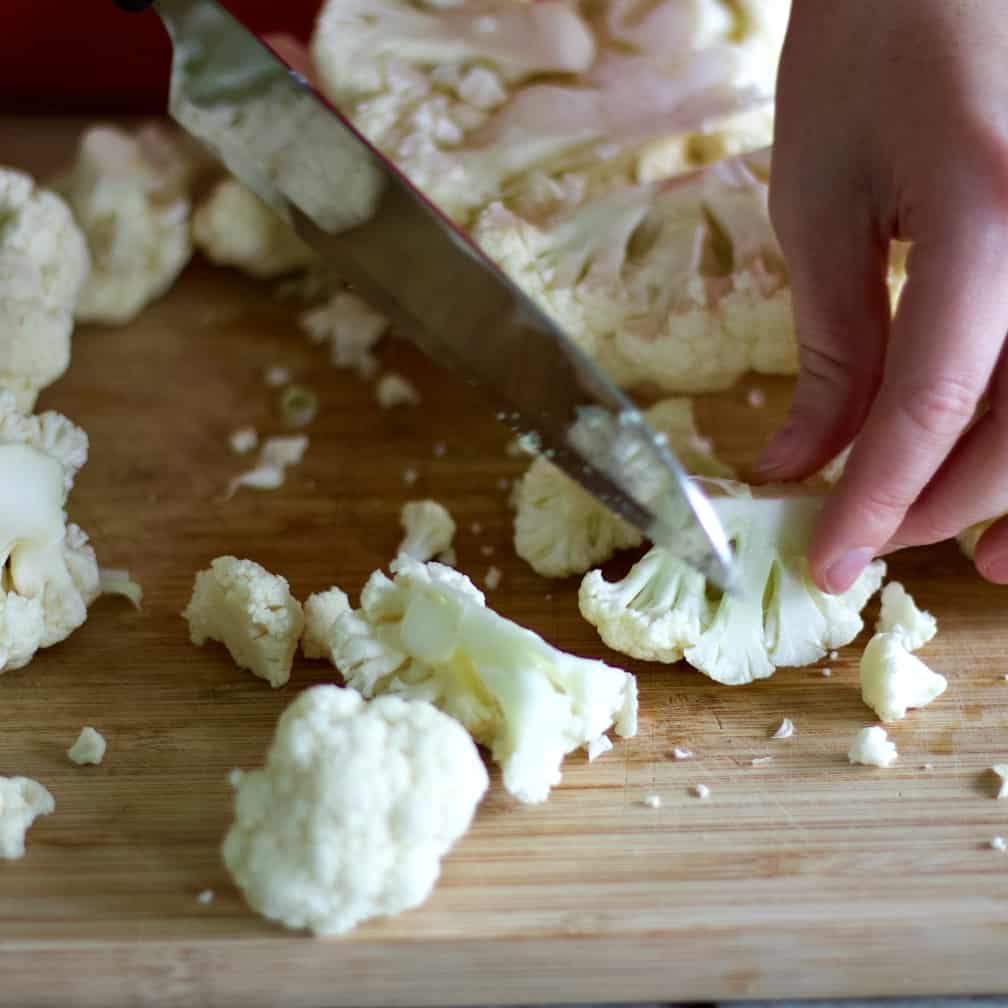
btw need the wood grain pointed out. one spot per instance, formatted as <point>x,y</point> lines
<point>801,877</point>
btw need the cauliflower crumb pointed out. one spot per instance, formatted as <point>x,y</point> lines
<point>476,528</point>
<point>701,791</point>
<point>784,730</point>
<point>234,777</point>
<point>244,440</point>
<point>827,672</point>
<point>89,747</point>
<point>652,801</point>
<point>115,581</point>
<point>270,470</point>
<point>394,390</point>
<point>410,476</point>
<point>998,843</point>
<point>597,746</point>
<point>492,578</point>
<point>680,752</point>
<point>277,375</point>
<point>927,766</point>
<point>205,897</point>
<point>298,405</point>
<point>756,398</point>
<point>22,801</point>
<point>899,614</point>
<point>834,655</point>
<point>487,550</point>
<point>351,328</point>
<point>353,811</point>
<point>1001,769</point>
<point>429,529</point>
<point>762,760</point>
<point>251,612</point>
<point>871,746</point>
<point>440,449</point>
<point>893,679</point>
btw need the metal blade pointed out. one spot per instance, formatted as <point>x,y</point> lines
<point>304,159</point>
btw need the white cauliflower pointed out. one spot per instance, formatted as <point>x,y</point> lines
<point>233,227</point>
<point>48,571</point>
<point>321,611</point>
<point>22,801</point>
<point>394,390</point>
<point>664,611</point>
<point>270,470</point>
<point>44,264</point>
<point>429,530</point>
<point>561,529</point>
<point>251,612</point>
<point>428,635</point>
<point>352,813</point>
<point>871,746</point>
<point>893,679</point>
<point>89,747</point>
<point>351,328</point>
<point>129,196</point>
<point>900,614</point>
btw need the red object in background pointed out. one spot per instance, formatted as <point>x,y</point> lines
<point>75,56</point>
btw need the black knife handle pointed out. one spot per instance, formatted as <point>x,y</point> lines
<point>134,6</point>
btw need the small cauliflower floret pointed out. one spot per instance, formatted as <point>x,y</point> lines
<point>351,328</point>
<point>561,529</point>
<point>89,747</point>
<point>394,390</point>
<point>129,196</point>
<point>871,747</point>
<point>44,264</point>
<point>233,227</point>
<point>22,801</point>
<point>892,679</point>
<point>428,635</point>
<point>664,610</point>
<point>251,612</point>
<point>321,611</point>
<point>900,615</point>
<point>356,806</point>
<point>48,571</point>
<point>429,530</point>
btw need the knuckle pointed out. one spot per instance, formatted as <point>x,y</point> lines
<point>882,503</point>
<point>940,409</point>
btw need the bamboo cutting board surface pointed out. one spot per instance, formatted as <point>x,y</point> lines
<point>801,877</point>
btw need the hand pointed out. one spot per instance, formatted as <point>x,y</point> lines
<point>892,123</point>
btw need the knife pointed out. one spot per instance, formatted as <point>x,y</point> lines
<point>302,157</point>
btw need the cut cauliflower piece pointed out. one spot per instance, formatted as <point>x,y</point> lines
<point>893,679</point>
<point>900,614</point>
<point>22,801</point>
<point>321,611</point>
<point>48,571</point>
<point>871,746</point>
<point>44,265</point>
<point>129,196</point>
<point>394,390</point>
<point>353,811</point>
<point>561,529</point>
<point>251,612</point>
<point>351,327</point>
<point>89,747</point>
<point>429,530</point>
<point>233,227</point>
<point>427,634</point>
<point>664,610</point>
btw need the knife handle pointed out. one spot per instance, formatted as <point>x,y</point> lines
<point>133,6</point>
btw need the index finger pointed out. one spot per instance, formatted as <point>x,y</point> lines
<point>945,340</point>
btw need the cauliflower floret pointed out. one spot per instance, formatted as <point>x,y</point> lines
<point>561,529</point>
<point>22,801</point>
<point>48,570</point>
<point>428,635</point>
<point>871,746</point>
<point>899,614</point>
<point>89,747</point>
<point>321,611</point>
<point>251,612</point>
<point>129,196</point>
<point>351,328</point>
<point>353,811</point>
<point>394,390</point>
<point>233,227</point>
<point>44,264</point>
<point>664,610</point>
<point>429,530</point>
<point>892,679</point>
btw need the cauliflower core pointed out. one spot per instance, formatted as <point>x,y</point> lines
<point>251,612</point>
<point>427,634</point>
<point>89,747</point>
<point>353,811</point>
<point>48,572</point>
<point>22,801</point>
<point>892,679</point>
<point>664,610</point>
<point>44,264</point>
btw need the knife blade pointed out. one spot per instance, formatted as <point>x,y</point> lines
<point>300,155</point>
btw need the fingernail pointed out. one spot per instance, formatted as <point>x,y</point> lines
<point>780,452</point>
<point>848,568</point>
<point>996,569</point>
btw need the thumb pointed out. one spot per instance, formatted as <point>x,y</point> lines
<point>840,305</point>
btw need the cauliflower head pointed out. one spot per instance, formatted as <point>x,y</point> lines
<point>665,611</point>
<point>44,265</point>
<point>561,529</point>
<point>353,811</point>
<point>234,227</point>
<point>129,196</point>
<point>251,612</point>
<point>48,571</point>
<point>22,801</point>
<point>427,634</point>
<point>893,679</point>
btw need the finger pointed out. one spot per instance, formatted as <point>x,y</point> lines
<point>945,340</point>
<point>991,553</point>
<point>841,316</point>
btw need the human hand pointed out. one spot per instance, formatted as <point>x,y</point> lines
<point>892,123</point>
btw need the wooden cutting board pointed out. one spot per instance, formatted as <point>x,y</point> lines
<point>802,877</point>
